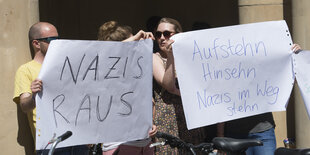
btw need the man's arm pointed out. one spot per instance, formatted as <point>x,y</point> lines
<point>27,101</point>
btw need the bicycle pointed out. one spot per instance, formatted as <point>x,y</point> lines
<point>230,146</point>
<point>96,149</point>
<point>290,151</point>
<point>54,141</point>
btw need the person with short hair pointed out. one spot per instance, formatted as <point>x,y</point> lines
<point>27,85</point>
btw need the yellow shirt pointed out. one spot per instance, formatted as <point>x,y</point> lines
<point>25,74</point>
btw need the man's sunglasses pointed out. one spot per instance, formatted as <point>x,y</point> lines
<point>167,34</point>
<point>47,39</point>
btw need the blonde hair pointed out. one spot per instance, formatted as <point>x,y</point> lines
<point>112,31</point>
<point>177,25</point>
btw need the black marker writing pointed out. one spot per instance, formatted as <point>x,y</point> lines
<point>67,61</point>
<point>124,72</point>
<point>126,104</point>
<point>95,68</point>
<point>107,76</point>
<point>108,109</point>
<point>87,97</point>
<point>141,71</point>
<point>55,109</point>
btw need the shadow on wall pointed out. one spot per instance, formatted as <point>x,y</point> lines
<point>24,137</point>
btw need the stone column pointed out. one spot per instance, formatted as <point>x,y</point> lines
<point>251,11</point>
<point>301,35</point>
<point>16,18</point>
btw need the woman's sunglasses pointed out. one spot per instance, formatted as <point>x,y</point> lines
<point>167,34</point>
<point>47,39</point>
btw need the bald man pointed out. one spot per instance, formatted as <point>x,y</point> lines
<point>27,84</point>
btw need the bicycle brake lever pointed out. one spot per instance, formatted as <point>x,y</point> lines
<point>53,139</point>
<point>157,143</point>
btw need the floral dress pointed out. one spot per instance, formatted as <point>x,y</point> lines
<point>169,118</point>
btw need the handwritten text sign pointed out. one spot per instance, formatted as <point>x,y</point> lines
<point>301,63</point>
<point>233,72</point>
<point>101,91</point>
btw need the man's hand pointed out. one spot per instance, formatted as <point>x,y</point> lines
<point>36,86</point>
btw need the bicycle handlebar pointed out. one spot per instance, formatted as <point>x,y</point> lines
<point>58,140</point>
<point>177,142</point>
<point>65,136</point>
<point>172,140</point>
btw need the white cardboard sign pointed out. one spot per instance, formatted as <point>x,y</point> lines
<point>99,90</point>
<point>233,72</point>
<point>301,62</point>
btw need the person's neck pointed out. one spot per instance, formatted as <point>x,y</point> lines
<point>39,57</point>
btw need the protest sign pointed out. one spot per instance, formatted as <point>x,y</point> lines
<point>99,90</point>
<point>233,72</point>
<point>301,63</point>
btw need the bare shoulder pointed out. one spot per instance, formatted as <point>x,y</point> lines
<point>157,59</point>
